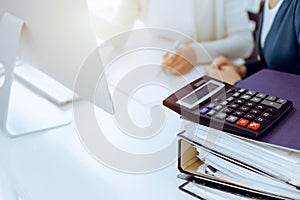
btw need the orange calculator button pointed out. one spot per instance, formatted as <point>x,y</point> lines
<point>254,126</point>
<point>242,122</point>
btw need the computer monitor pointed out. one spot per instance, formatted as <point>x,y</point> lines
<point>57,38</point>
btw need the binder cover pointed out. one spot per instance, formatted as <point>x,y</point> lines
<point>284,85</point>
<point>206,191</point>
<point>188,164</point>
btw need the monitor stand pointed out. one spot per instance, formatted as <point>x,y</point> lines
<point>22,111</point>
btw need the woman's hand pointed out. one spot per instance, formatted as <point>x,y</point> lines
<point>221,61</point>
<point>181,62</point>
<point>224,70</point>
<point>227,74</point>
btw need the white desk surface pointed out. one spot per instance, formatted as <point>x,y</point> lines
<point>55,164</point>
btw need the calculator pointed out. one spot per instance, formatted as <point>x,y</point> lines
<point>212,103</point>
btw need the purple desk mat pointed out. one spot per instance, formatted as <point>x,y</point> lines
<point>287,86</point>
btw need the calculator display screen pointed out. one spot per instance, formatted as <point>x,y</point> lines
<point>201,94</point>
<point>194,97</point>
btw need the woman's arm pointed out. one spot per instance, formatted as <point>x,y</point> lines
<point>236,45</point>
<point>238,42</point>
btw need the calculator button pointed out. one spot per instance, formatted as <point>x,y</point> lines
<point>204,110</point>
<point>246,97</point>
<point>240,101</point>
<point>271,110</point>
<point>237,94</point>
<point>234,106</point>
<point>239,113</point>
<point>242,90</point>
<point>242,122</point>
<point>266,115</point>
<point>224,103</point>
<point>244,108</point>
<point>221,115</point>
<point>271,104</point>
<point>250,104</point>
<point>218,100</point>
<point>254,112</point>
<point>281,101</point>
<point>251,93</point>
<point>255,99</point>
<point>229,99</point>
<point>211,105</point>
<point>232,119</point>
<point>211,113</point>
<point>271,98</point>
<point>254,126</point>
<point>260,107</point>
<point>248,116</point>
<point>227,110</point>
<point>218,107</point>
<point>260,120</point>
<point>231,90</point>
<point>261,95</point>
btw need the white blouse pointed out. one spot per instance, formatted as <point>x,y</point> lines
<point>221,27</point>
<point>269,16</point>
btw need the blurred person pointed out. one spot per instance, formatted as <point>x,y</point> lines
<point>219,27</point>
<point>277,40</point>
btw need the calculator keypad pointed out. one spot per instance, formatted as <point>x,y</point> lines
<point>244,108</point>
<point>235,110</point>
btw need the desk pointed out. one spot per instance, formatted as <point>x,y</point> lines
<point>55,164</point>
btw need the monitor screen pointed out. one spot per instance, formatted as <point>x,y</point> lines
<point>57,38</point>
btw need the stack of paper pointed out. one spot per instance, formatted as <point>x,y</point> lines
<point>245,162</point>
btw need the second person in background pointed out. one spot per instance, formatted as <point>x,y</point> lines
<point>219,27</point>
